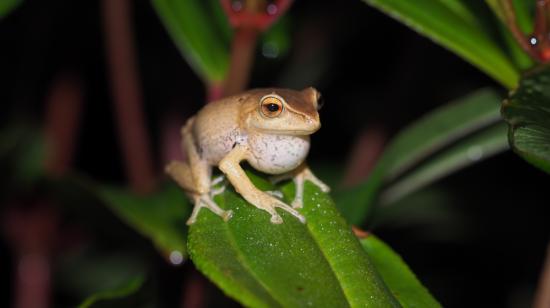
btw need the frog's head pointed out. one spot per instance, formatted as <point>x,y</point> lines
<point>283,111</point>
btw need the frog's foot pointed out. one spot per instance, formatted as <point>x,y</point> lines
<point>299,180</point>
<point>268,203</point>
<point>205,200</point>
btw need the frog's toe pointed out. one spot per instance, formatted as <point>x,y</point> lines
<point>276,219</point>
<point>297,203</point>
<point>227,215</point>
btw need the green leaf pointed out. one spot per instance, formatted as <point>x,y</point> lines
<point>397,275</point>
<point>160,216</point>
<point>448,24</point>
<point>202,40</point>
<point>415,144</point>
<point>318,264</point>
<point>6,6</point>
<point>22,155</point>
<point>473,149</point>
<point>527,111</point>
<point>128,288</point>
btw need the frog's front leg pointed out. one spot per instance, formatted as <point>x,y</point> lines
<point>230,165</point>
<point>299,176</point>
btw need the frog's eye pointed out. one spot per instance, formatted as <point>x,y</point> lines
<point>271,106</point>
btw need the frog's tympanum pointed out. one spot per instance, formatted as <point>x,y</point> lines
<point>268,128</point>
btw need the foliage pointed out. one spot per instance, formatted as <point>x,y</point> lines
<point>291,265</point>
<point>453,25</point>
<point>6,6</point>
<point>322,263</point>
<point>527,111</point>
<point>451,132</point>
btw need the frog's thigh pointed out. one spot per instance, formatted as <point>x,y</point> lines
<point>200,169</point>
<point>181,173</point>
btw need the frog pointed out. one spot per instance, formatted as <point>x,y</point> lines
<point>269,128</point>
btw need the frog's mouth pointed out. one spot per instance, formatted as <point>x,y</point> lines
<point>290,132</point>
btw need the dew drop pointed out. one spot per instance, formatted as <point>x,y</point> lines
<point>176,258</point>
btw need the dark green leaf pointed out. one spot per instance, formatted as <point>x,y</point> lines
<point>397,275</point>
<point>202,41</point>
<point>160,216</point>
<point>6,6</point>
<point>318,264</point>
<point>527,112</point>
<point>473,149</point>
<point>22,154</point>
<point>131,286</point>
<point>432,133</point>
<point>450,24</point>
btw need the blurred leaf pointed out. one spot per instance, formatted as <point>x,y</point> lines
<point>275,43</point>
<point>201,40</point>
<point>160,216</point>
<point>318,264</point>
<point>6,6</point>
<point>98,277</point>
<point>446,23</point>
<point>473,149</point>
<point>524,11</point>
<point>397,275</point>
<point>130,287</point>
<point>22,154</point>
<point>527,111</point>
<point>432,133</point>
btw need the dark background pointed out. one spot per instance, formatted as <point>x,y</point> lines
<point>486,251</point>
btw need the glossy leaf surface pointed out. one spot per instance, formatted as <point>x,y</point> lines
<point>527,112</point>
<point>318,264</point>
<point>451,25</point>
<point>397,275</point>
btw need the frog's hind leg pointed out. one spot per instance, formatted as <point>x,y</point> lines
<point>194,177</point>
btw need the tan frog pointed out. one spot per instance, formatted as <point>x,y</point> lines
<point>268,128</point>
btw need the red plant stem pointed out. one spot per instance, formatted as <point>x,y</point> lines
<point>214,92</point>
<point>242,58</point>
<point>540,20</point>
<point>64,106</point>
<point>542,295</point>
<point>366,151</point>
<point>33,232</point>
<point>126,95</point>
<point>512,24</point>
<point>193,291</point>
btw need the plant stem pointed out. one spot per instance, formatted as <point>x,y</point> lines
<point>542,295</point>
<point>511,21</point>
<point>242,58</point>
<point>126,95</point>
<point>64,106</point>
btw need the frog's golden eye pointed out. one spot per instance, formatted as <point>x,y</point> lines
<point>271,106</point>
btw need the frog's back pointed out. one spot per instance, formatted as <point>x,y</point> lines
<point>216,129</point>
